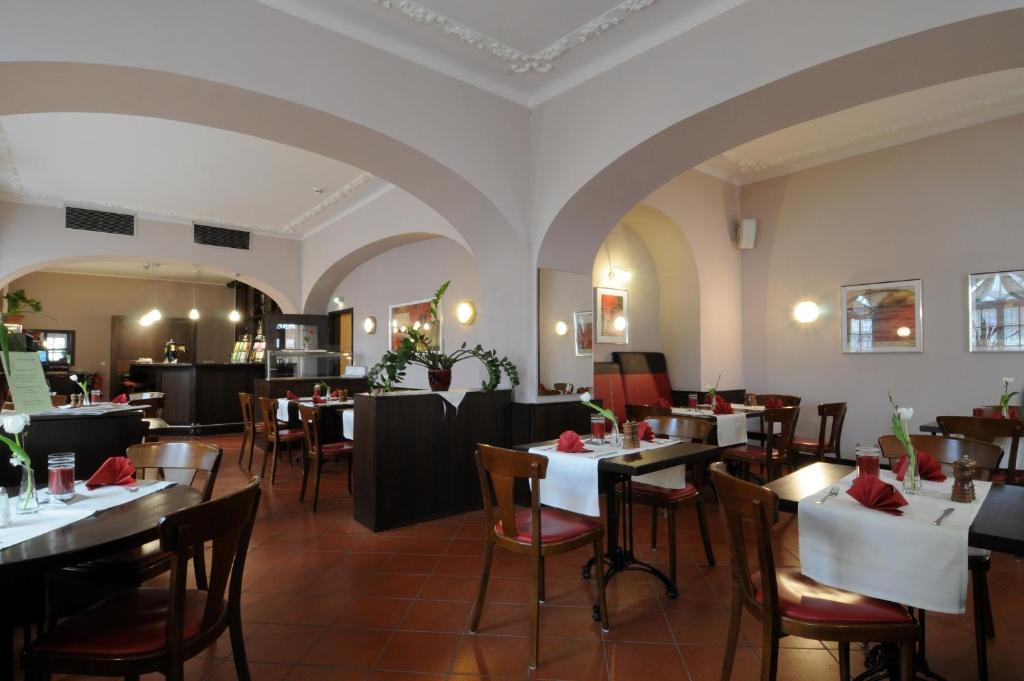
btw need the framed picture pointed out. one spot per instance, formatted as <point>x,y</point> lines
<point>613,307</point>
<point>583,330</point>
<point>996,317</point>
<point>882,317</point>
<point>414,315</point>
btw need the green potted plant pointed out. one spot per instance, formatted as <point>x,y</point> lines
<point>419,349</point>
<point>18,303</point>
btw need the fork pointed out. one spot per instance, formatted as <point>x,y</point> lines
<point>833,491</point>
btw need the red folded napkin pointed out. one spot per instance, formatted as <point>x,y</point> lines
<point>872,492</point>
<point>120,399</point>
<point>336,393</point>
<point>662,402</point>
<point>721,406</point>
<point>319,400</point>
<point>773,403</point>
<point>927,467</point>
<point>570,443</point>
<point>644,431</point>
<point>117,470</point>
<point>290,395</point>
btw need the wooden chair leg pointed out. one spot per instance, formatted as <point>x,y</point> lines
<point>316,484</point>
<point>541,581</point>
<point>350,459</point>
<point>273,464</point>
<point>241,448</point>
<point>978,578</point>
<point>252,450</point>
<point>732,638</point>
<point>907,660</point>
<point>238,646</point>
<point>990,625</point>
<point>702,521</point>
<point>479,604</point>
<point>306,464</point>
<point>535,562</point>
<point>654,527</point>
<point>770,656</point>
<point>672,543</point>
<point>844,661</point>
<point>602,603</point>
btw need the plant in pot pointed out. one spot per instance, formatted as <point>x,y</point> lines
<point>18,304</point>
<point>417,348</point>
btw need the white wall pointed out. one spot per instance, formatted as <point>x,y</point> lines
<point>413,272</point>
<point>562,294</point>
<point>936,209</point>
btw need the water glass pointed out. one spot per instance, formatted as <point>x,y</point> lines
<point>691,400</point>
<point>597,430</point>
<point>95,396</point>
<point>6,516</point>
<point>868,460</point>
<point>61,467</point>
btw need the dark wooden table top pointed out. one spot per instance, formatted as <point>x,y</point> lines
<point>932,428</point>
<point>109,531</point>
<point>647,460</point>
<point>999,525</point>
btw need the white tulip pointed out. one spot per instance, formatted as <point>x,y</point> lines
<point>1007,381</point>
<point>15,461</point>
<point>905,413</point>
<point>585,397</point>
<point>14,423</point>
<point>74,377</point>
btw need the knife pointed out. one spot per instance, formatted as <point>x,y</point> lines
<point>946,512</point>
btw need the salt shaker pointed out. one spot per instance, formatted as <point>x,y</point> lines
<point>963,480</point>
<point>6,519</point>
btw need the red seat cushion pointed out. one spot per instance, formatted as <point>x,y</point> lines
<point>336,448</point>
<point>746,452</point>
<point>288,434</point>
<point>802,598</point>
<point>805,442</point>
<point>663,493</point>
<point>555,525</point>
<point>133,622</point>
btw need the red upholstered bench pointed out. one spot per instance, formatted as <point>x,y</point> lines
<point>608,388</point>
<point>644,377</point>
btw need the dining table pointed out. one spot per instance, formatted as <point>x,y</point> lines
<point>104,533</point>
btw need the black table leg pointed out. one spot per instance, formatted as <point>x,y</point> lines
<point>883,661</point>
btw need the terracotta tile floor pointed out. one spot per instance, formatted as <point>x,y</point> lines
<point>327,600</point>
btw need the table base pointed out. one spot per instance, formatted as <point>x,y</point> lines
<point>883,661</point>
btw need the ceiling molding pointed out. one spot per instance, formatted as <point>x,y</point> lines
<point>519,61</point>
<point>346,190</point>
<point>9,175</point>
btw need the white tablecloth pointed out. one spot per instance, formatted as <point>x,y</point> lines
<point>348,421</point>
<point>282,409</point>
<point>731,428</point>
<point>904,559</point>
<point>572,479</point>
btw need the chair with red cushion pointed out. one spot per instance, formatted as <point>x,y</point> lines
<point>251,428</point>
<point>642,412</point>
<point>608,388</point>
<point>987,428</point>
<point>536,532</point>
<point>829,439</point>
<point>139,631</point>
<point>771,400</point>
<point>788,604</point>
<point>276,435</point>
<point>318,453</point>
<point>776,452</point>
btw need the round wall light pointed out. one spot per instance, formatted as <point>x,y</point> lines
<point>619,323</point>
<point>620,275</point>
<point>370,325</point>
<point>903,332</point>
<point>561,328</point>
<point>806,312</point>
<point>465,312</point>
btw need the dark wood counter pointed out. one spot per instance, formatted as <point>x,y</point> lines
<point>200,398</point>
<point>303,387</point>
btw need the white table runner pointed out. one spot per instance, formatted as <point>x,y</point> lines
<point>731,428</point>
<point>572,479</point>
<point>904,559</point>
<point>348,421</point>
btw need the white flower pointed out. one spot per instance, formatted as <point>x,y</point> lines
<point>14,422</point>
<point>74,377</point>
<point>585,397</point>
<point>1007,381</point>
<point>905,413</point>
<point>16,462</point>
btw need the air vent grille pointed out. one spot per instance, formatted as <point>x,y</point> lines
<point>99,221</point>
<point>221,236</point>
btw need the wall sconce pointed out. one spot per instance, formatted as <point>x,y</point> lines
<point>903,332</point>
<point>370,325</point>
<point>619,323</point>
<point>339,301</point>
<point>561,328</point>
<point>620,275</point>
<point>465,312</point>
<point>806,312</point>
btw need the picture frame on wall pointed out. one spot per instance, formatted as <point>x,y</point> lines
<point>583,332</point>
<point>995,318</point>
<point>411,315</point>
<point>884,316</point>
<point>612,308</point>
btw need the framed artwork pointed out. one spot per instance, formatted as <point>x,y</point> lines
<point>583,330</point>
<point>414,315</point>
<point>613,307</point>
<point>996,302</point>
<point>882,317</point>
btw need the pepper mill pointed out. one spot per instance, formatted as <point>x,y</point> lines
<point>963,480</point>
<point>630,435</point>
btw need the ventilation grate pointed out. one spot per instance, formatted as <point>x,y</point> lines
<point>99,221</point>
<point>220,236</point>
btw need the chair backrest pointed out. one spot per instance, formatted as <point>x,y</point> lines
<point>152,407</point>
<point>946,450</point>
<point>245,400</point>
<point>268,411</point>
<point>498,469</point>
<point>310,417</point>
<point>565,388</point>
<point>780,439</point>
<point>742,501</point>
<point>691,428</point>
<point>987,430</point>
<point>642,412</point>
<point>787,400</point>
<point>830,439</point>
<point>584,389</point>
<point>226,523</point>
<point>177,461</point>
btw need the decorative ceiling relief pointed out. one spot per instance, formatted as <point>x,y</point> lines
<point>10,178</point>
<point>519,61</point>
<point>347,190</point>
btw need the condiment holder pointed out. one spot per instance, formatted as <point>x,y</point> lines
<point>630,435</point>
<point>964,469</point>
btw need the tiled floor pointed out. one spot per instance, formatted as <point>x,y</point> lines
<point>326,599</point>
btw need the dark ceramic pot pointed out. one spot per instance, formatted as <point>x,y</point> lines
<point>440,379</point>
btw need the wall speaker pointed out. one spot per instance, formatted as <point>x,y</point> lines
<point>746,233</point>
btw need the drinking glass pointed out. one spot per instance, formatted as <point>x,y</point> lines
<point>868,459</point>
<point>61,467</point>
<point>691,400</point>
<point>6,516</point>
<point>95,396</point>
<point>597,430</point>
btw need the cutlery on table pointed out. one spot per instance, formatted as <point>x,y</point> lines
<point>945,512</point>
<point>832,492</point>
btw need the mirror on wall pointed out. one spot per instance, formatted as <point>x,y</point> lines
<point>565,331</point>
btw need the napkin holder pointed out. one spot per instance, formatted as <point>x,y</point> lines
<point>630,435</point>
<point>963,480</point>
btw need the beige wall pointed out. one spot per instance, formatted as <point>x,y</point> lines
<point>561,295</point>
<point>86,303</point>
<point>936,209</point>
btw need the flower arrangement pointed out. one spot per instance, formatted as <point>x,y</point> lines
<point>307,337</point>
<point>1004,399</point>
<point>586,399</point>
<point>711,391</point>
<point>18,303</point>
<point>900,424</point>
<point>82,384</point>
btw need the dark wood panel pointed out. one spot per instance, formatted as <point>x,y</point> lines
<point>303,387</point>
<point>532,422</point>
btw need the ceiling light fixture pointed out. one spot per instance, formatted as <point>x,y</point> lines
<point>193,314</point>
<point>153,315</point>
<point>235,316</point>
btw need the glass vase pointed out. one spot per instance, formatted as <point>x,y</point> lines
<point>911,479</point>
<point>27,501</point>
<point>1006,411</point>
<point>615,439</point>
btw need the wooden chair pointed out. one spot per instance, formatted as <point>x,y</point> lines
<point>642,412</point>
<point>181,462</point>
<point>251,428</point>
<point>318,453</point>
<point>564,388</point>
<point>139,631</point>
<point>694,430</point>
<point>988,429</point>
<point>785,602</point>
<point>946,450</point>
<point>152,412</point>
<point>764,400</point>
<point>829,439</point>
<point>536,532</point>
<point>275,435</point>
<point>776,451</point>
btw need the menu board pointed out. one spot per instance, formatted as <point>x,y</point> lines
<point>27,383</point>
<point>240,352</point>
